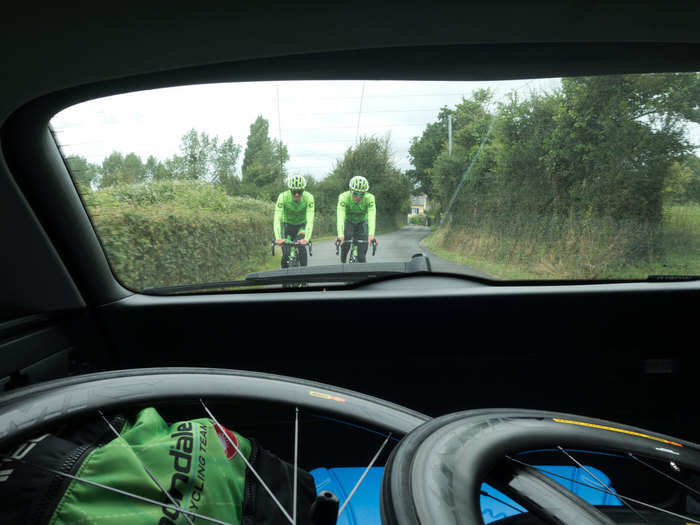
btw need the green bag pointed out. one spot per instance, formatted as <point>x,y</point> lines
<point>193,460</point>
<point>188,458</point>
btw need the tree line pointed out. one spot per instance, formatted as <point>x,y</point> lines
<point>201,157</point>
<point>603,150</point>
<point>262,170</point>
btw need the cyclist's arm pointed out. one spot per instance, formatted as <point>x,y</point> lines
<point>309,216</point>
<point>277,221</point>
<point>371,216</point>
<point>341,215</point>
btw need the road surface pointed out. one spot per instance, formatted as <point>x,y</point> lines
<point>398,246</point>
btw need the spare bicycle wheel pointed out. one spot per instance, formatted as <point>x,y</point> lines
<point>445,470</point>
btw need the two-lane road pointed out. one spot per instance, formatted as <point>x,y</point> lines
<point>398,246</point>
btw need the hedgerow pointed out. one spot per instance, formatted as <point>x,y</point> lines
<point>180,232</point>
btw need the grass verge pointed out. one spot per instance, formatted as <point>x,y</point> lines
<point>513,259</point>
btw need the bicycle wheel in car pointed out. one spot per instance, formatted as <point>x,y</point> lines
<point>539,467</point>
<point>254,404</point>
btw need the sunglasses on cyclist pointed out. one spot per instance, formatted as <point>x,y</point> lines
<point>358,193</point>
<point>297,192</point>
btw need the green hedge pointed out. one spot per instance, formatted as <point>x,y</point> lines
<point>422,219</point>
<point>169,233</point>
<point>173,233</point>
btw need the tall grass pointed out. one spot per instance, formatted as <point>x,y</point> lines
<point>577,247</point>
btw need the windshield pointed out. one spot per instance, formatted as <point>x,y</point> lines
<point>262,184</point>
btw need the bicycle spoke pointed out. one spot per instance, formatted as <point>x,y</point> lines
<point>150,474</point>
<point>688,487</point>
<point>587,471</point>
<point>607,491</point>
<point>245,460</point>
<point>119,491</point>
<point>359,481</point>
<point>353,425</point>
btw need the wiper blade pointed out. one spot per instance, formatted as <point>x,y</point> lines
<point>340,272</point>
<point>330,273</point>
<point>671,278</point>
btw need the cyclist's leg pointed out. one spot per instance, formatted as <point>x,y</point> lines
<point>303,256</point>
<point>292,231</point>
<point>285,247</point>
<point>362,233</point>
<point>301,250</point>
<point>349,232</point>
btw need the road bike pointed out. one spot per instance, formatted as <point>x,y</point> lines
<point>353,255</point>
<point>292,258</point>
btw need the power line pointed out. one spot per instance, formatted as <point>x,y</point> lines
<point>402,95</point>
<point>279,118</point>
<point>416,110</point>
<point>357,133</point>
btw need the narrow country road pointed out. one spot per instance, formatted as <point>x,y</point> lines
<point>398,246</point>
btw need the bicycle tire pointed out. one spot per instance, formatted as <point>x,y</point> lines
<point>468,444</point>
<point>25,411</point>
<point>297,260</point>
<point>352,253</point>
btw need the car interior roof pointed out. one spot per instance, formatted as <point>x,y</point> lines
<point>625,352</point>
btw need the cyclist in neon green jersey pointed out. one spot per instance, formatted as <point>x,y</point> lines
<point>294,217</point>
<point>357,214</point>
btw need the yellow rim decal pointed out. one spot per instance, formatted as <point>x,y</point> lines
<point>323,395</point>
<point>613,429</point>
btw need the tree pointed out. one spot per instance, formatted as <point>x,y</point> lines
<point>201,158</point>
<point>471,123</point>
<point>194,161</point>
<point>120,169</point>
<point>370,157</point>
<point>692,164</point>
<point>424,150</point>
<point>263,169</point>
<point>678,181</point>
<point>156,170</point>
<point>84,173</point>
<point>224,166</point>
<point>615,140</point>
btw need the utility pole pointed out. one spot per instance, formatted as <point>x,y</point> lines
<point>449,135</point>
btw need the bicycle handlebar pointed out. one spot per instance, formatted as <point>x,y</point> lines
<point>295,243</point>
<point>374,245</point>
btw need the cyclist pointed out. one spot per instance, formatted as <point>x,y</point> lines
<point>357,213</point>
<point>294,218</point>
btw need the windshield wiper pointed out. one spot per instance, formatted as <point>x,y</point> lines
<point>330,273</point>
<point>671,278</point>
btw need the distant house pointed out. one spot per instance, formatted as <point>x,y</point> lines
<point>419,204</point>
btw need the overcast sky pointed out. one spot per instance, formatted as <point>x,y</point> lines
<point>317,120</point>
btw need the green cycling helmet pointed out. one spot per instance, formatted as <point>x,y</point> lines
<point>296,182</point>
<point>359,184</point>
